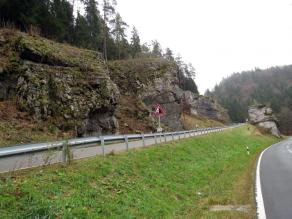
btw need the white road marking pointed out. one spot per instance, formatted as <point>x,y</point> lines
<point>290,151</point>
<point>259,196</point>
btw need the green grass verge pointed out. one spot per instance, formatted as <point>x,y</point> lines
<point>177,180</point>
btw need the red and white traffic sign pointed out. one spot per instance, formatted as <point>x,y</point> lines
<point>158,110</point>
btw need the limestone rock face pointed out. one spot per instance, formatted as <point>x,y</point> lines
<point>157,81</point>
<point>205,107</point>
<point>263,117</point>
<point>74,89</point>
<point>57,82</point>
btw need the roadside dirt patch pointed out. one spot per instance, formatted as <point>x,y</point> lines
<point>240,208</point>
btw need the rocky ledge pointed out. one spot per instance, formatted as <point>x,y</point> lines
<point>157,81</point>
<point>75,90</point>
<point>58,82</point>
<point>262,116</point>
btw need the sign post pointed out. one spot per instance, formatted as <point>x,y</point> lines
<point>158,112</point>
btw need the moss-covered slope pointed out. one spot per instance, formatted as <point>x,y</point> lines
<point>52,80</point>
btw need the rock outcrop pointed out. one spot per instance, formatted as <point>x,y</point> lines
<point>73,88</point>
<point>158,81</point>
<point>262,116</point>
<point>55,81</point>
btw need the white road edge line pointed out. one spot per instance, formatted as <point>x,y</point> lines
<point>261,213</point>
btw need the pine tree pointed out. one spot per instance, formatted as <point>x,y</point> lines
<point>108,12</point>
<point>119,32</point>
<point>190,71</point>
<point>81,36</point>
<point>156,49</point>
<point>93,20</point>
<point>135,43</point>
<point>169,54</point>
<point>145,50</point>
<point>63,20</point>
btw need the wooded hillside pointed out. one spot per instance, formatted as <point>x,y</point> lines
<point>272,86</point>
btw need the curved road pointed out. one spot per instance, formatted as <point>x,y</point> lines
<point>276,181</point>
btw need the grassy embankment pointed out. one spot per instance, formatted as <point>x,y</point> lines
<point>182,179</point>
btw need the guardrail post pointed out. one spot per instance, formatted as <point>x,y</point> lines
<point>179,136</point>
<point>127,142</point>
<point>172,136</point>
<point>102,145</point>
<point>164,137</point>
<point>184,134</point>
<point>143,139</point>
<point>65,153</point>
<point>155,138</point>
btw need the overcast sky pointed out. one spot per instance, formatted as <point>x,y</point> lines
<point>217,37</point>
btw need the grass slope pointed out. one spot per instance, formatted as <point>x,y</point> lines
<point>157,182</point>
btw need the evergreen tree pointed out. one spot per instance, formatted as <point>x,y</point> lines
<point>25,13</point>
<point>108,12</point>
<point>169,54</point>
<point>190,71</point>
<point>135,43</point>
<point>81,35</point>
<point>145,50</point>
<point>156,49</point>
<point>63,20</point>
<point>93,20</point>
<point>119,32</point>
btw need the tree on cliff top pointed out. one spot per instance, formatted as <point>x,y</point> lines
<point>119,28</point>
<point>109,11</point>
<point>156,49</point>
<point>93,19</point>
<point>169,54</point>
<point>135,43</point>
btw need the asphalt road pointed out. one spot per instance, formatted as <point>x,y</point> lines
<point>276,180</point>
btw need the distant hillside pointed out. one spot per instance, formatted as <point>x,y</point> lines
<point>272,86</point>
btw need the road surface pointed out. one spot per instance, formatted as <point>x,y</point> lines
<point>276,181</point>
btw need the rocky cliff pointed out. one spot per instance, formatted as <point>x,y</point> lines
<point>73,89</point>
<point>262,116</point>
<point>52,80</point>
<point>159,81</point>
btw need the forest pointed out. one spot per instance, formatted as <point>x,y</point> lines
<point>272,87</point>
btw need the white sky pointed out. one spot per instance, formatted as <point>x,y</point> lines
<point>217,37</point>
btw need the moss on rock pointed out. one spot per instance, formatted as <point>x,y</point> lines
<point>53,80</point>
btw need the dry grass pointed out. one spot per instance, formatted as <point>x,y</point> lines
<point>133,116</point>
<point>18,127</point>
<point>192,121</point>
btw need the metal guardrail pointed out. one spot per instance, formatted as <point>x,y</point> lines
<point>101,140</point>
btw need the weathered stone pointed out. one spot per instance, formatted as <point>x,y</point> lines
<point>205,107</point>
<point>263,117</point>
<point>157,81</point>
<point>70,85</point>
